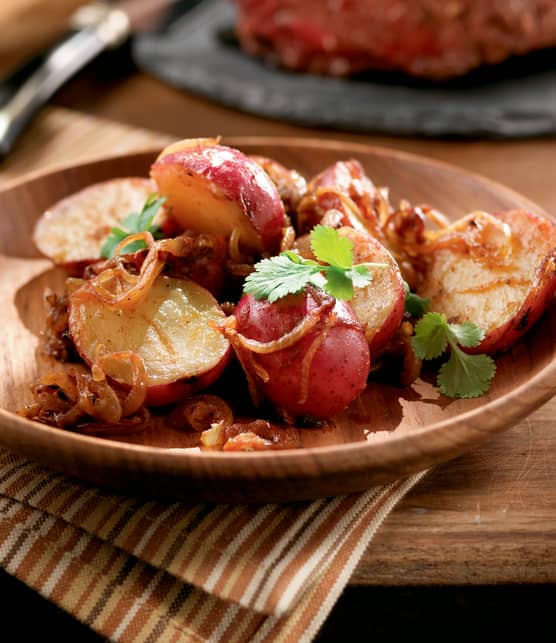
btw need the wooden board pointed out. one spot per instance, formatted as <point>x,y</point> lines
<point>486,517</point>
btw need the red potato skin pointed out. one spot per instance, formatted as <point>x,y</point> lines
<point>348,176</point>
<point>349,179</point>
<point>165,394</point>
<point>239,179</point>
<point>502,338</point>
<point>340,366</point>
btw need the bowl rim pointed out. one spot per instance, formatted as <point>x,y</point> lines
<point>510,406</point>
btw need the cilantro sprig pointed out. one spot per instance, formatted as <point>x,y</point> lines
<point>463,375</point>
<point>133,223</point>
<point>333,272</point>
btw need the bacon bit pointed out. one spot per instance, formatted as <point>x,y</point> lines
<point>247,441</point>
<point>258,435</point>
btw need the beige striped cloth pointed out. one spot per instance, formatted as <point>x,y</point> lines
<point>147,571</point>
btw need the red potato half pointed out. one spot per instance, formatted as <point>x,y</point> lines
<point>343,194</point>
<point>322,372</point>
<point>170,330</point>
<point>218,189</point>
<point>380,305</point>
<point>72,231</point>
<point>497,271</point>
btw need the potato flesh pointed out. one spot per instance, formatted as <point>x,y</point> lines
<point>488,286</point>
<point>380,305</point>
<point>74,229</point>
<point>197,204</point>
<point>170,330</point>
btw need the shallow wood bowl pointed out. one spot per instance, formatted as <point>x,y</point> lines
<point>387,433</point>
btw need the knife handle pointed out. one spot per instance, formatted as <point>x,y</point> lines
<point>101,27</point>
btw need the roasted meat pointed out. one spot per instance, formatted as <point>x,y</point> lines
<point>436,39</point>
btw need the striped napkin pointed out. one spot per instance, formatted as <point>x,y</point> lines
<point>145,571</point>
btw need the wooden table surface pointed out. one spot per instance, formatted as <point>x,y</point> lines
<point>488,517</point>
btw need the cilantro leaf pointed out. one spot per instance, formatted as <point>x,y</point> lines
<point>279,276</point>
<point>329,247</point>
<point>289,273</point>
<point>465,375</point>
<point>462,375</point>
<point>133,223</point>
<point>415,305</point>
<point>360,275</point>
<point>108,247</point>
<point>467,334</point>
<point>338,284</point>
<point>431,336</point>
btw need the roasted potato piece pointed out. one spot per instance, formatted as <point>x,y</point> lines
<point>497,271</point>
<point>72,231</point>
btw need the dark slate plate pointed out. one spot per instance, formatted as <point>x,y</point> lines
<point>198,52</point>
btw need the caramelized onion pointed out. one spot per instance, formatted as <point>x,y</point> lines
<point>234,251</point>
<point>310,355</point>
<point>135,399</point>
<point>288,237</point>
<point>201,412</point>
<point>483,235</point>
<point>288,339</point>
<point>144,235</point>
<point>125,297</point>
<point>98,399</point>
<point>124,426</point>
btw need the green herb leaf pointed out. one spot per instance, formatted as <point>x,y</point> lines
<point>462,375</point>
<point>467,334</point>
<point>465,375</point>
<point>430,339</point>
<point>360,275</point>
<point>133,223</point>
<point>338,284</point>
<point>415,305</point>
<point>289,273</point>
<point>329,247</point>
<point>279,276</point>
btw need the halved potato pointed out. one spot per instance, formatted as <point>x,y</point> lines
<point>342,194</point>
<point>218,189</point>
<point>379,307</point>
<point>72,231</point>
<point>170,330</point>
<point>496,271</point>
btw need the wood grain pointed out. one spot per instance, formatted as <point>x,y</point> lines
<point>29,25</point>
<point>387,433</point>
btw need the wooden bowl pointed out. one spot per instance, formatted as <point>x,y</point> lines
<point>387,433</point>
